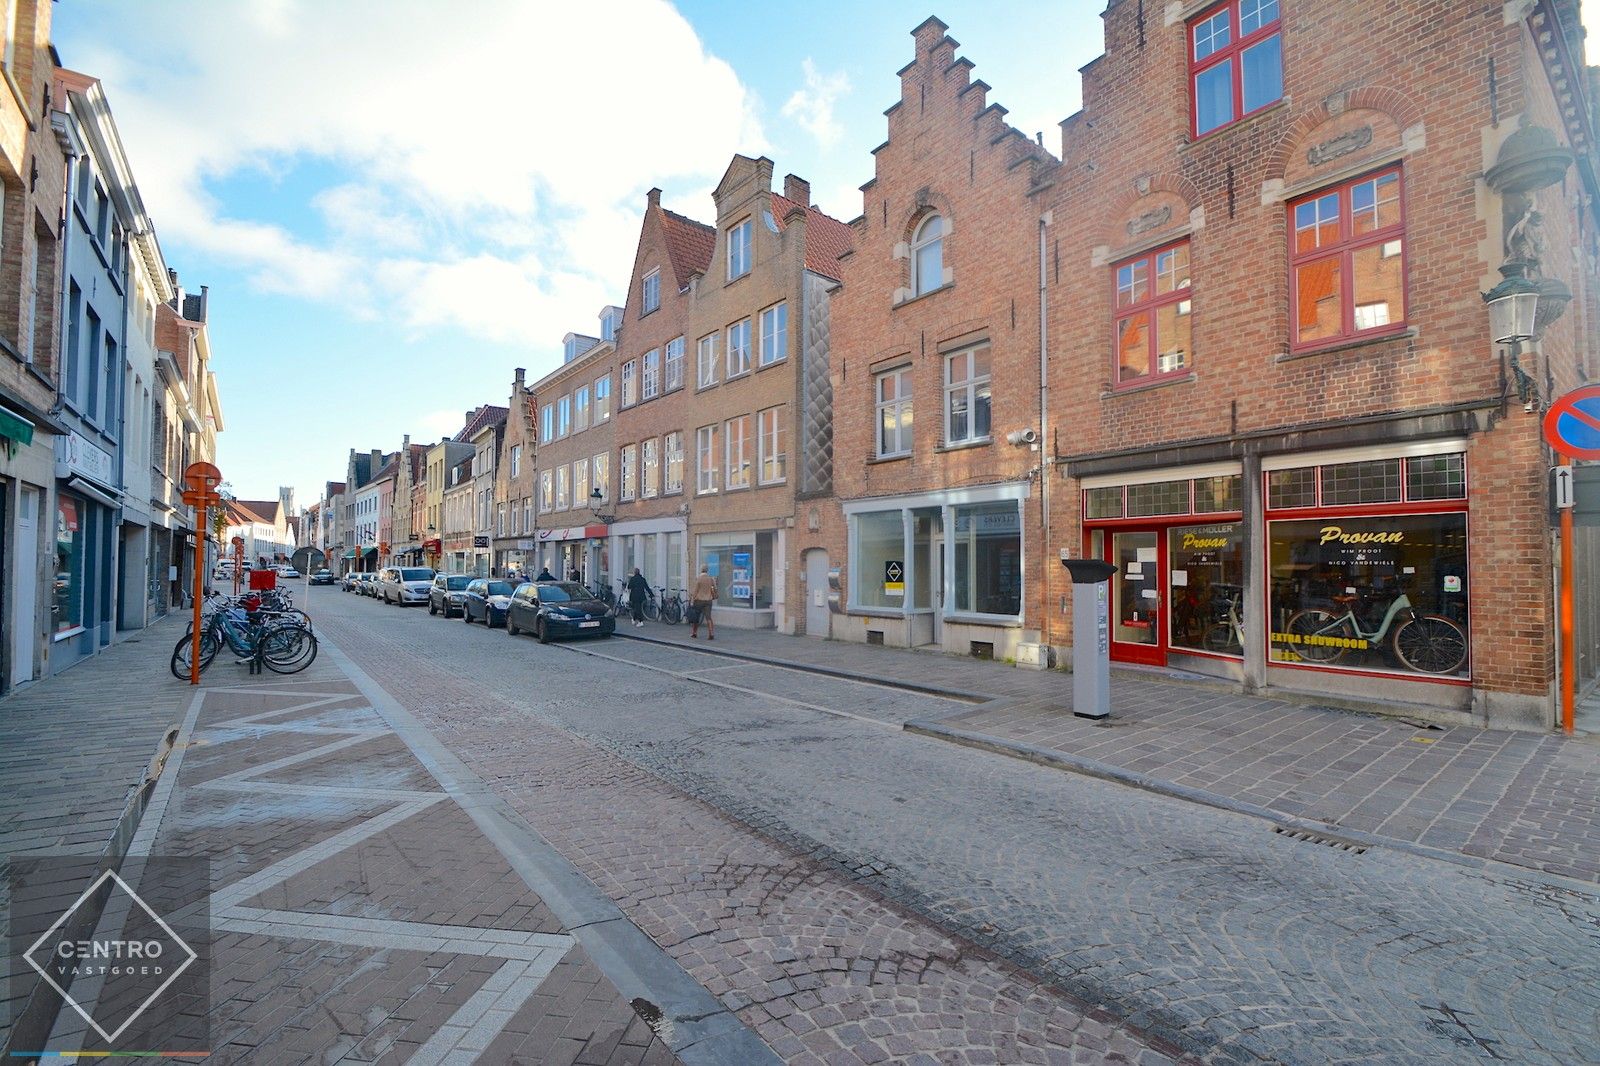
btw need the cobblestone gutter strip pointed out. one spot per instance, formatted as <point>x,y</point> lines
<point>38,1016</point>
<point>696,1026</point>
<point>1060,760</point>
<point>965,695</point>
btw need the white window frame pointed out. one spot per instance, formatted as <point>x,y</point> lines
<point>516,459</point>
<point>547,423</point>
<point>970,387</point>
<point>770,446</point>
<point>739,237</point>
<point>743,467</point>
<point>649,469</point>
<point>672,366</point>
<point>706,361</point>
<point>602,398</point>
<point>547,491</point>
<point>630,383</point>
<point>650,292</point>
<point>562,488</point>
<point>580,410</point>
<point>740,329</point>
<point>900,404</point>
<point>626,462</point>
<point>672,463</point>
<point>705,444</point>
<point>602,475</point>
<point>774,335</point>
<point>650,376</point>
<point>580,483</point>
<point>920,242</point>
<point>564,417</point>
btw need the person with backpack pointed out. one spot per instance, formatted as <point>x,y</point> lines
<point>701,598</point>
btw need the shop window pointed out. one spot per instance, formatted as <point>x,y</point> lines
<point>1377,481</point>
<point>674,543</point>
<point>1348,261</point>
<point>1235,62</point>
<point>1158,498</point>
<point>1292,488</point>
<point>741,564</point>
<point>1386,593</point>
<point>1103,502</point>
<point>879,539</point>
<point>1206,565</point>
<point>1155,335</point>
<point>988,558</point>
<point>66,607</point>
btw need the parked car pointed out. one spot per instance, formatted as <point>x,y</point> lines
<point>350,581</point>
<point>322,577</point>
<point>446,594</point>
<point>485,598</point>
<point>554,609</point>
<point>404,585</point>
<point>287,572</point>
<point>368,585</point>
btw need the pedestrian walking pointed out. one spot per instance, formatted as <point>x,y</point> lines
<point>700,600</point>
<point>638,592</point>
<point>545,574</point>
<point>573,575</point>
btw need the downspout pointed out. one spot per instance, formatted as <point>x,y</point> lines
<point>1047,459</point>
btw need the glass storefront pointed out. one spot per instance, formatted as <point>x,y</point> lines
<point>1386,593</point>
<point>880,540</point>
<point>908,559</point>
<point>741,564</point>
<point>1206,568</point>
<point>67,606</point>
<point>988,558</point>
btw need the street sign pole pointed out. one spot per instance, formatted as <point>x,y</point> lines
<point>202,479</point>
<point>1569,672</point>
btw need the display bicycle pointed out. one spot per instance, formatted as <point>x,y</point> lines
<point>1424,643</point>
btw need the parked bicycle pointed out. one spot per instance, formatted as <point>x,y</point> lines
<point>282,645</point>
<point>670,609</point>
<point>1225,634</point>
<point>1426,643</point>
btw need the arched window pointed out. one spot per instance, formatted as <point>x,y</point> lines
<point>927,255</point>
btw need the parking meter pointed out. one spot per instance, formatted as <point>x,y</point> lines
<point>1091,636</point>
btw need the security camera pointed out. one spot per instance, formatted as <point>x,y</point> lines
<point>1022,436</point>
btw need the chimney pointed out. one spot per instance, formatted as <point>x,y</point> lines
<point>521,382</point>
<point>377,462</point>
<point>205,291</point>
<point>797,189</point>
<point>653,197</point>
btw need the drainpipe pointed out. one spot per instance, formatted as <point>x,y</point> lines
<point>1047,460</point>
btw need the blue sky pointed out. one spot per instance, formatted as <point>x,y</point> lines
<point>394,209</point>
<point>393,212</point>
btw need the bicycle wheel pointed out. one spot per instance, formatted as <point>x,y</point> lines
<point>672,612</point>
<point>182,654</point>
<point>1222,638</point>
<point>652,610</point>
<point>1430,644</point>
<point>288,649</point>
<point>1320,635</point>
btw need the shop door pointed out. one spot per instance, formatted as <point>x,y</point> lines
<point>817,593</point>
<point>25,603</point>
<point>1138,621</point>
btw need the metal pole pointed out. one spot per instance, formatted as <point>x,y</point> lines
<point>203,511</point>
<point>1569,666</point>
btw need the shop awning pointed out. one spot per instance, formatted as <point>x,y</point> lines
<point>369,551</point>
<point>349,553</point>
<point>15,428</point>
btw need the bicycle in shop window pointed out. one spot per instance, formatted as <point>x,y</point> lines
<point>1378,618</point>
<point>1225,634</point>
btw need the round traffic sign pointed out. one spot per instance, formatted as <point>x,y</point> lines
<point>1572,425</point>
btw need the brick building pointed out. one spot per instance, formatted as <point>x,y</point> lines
<point>1274,390</point>
<point>651,526</point>
<point>575,408</point>
<point>514,482</point>
<point>938,515</point>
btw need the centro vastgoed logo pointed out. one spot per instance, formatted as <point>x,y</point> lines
<point>62,961</point>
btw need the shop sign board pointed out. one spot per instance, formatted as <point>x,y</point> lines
<point>894,578</point>
<point>79,455</point>
<point>1572,425</point>
<point>739,587</point>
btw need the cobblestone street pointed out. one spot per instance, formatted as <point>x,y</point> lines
<point>619,851</point>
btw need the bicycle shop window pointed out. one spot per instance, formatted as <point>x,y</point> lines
<point>1206,565</point>
<point>66,606</point>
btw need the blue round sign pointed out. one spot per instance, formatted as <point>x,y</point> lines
<point>1572,425</point>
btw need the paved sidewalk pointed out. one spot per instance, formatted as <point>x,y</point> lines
<point>367,903</point>
<point>1524,798</point>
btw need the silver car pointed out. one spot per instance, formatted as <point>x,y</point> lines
<point>446,593</point>
<point>404,585</point>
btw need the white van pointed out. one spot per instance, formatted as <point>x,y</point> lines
<point>403,585</point>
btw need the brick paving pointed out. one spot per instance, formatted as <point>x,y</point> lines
<point>1530,799</point>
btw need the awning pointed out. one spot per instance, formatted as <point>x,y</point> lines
<point>78,484</point>
<point>368,551</point>
<point>349,553</point>
<point>15,428</point>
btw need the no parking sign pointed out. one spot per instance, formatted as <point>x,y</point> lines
<point>1572,425</point>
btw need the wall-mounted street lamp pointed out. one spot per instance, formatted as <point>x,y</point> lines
<point>597,501</point>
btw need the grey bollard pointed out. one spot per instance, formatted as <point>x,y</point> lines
<point>1091,636</point>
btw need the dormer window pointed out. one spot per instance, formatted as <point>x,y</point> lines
<point>739,250</point>
<point>609,321</point>
<point>650,297</point>
<point>927,256</point>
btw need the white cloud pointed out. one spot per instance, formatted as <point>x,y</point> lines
<point>811,107</point>
<point>482,171</point>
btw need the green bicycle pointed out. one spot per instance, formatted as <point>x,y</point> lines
<point>1425,643</point>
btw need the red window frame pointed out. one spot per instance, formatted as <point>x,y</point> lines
<point>1147,308</point>
<point>1234,49</point>
<point>1344,246</point>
